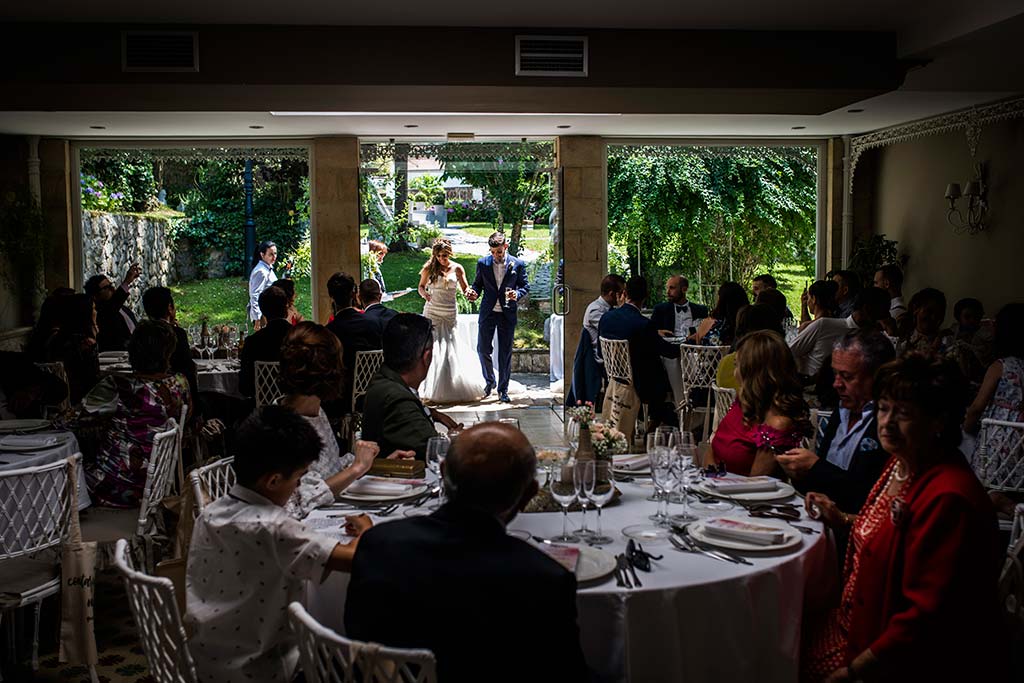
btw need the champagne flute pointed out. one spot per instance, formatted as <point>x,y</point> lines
<point>437,450</point>
<point>685,456</point>
<point>664,472</point>
<point>655,440</point>
<point>579,480</point>
<point>563,491</point>
<point>508,297</point>
<point>599,490</point>
<point>573,434</point>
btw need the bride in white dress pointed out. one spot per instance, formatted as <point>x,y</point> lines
<point>454,375</point>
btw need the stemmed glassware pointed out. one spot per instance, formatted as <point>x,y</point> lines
<point>437,450</point>
<point>573,434</point>
<point>563,491</point>
<point>665,474</point>
<point>599,490</point>
<point>508,297</point>
<point>687,473</point>
<point>579,480</point>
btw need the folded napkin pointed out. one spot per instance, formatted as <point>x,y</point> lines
<point>565,555</point>
<point>742,484</point>
<point>631,461</point>
<point>29,441</point>
<point>376,487</point>
<point>736,530</point>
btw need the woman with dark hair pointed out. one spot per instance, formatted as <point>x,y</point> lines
<point>922,328</point>
<point>750,319</point>
<point>74,345</point>
<point>770,415</point>
<point>312,372</point>
<point>139,406</point>
<point>919,597</point>
<point>260,277</point>
<point>287,285</point>
<point>719,328</point>
<point>819,301</point>
<point>48,324</point>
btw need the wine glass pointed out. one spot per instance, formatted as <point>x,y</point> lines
<point>579,481</point>
<point>599,490</point>
<point>665,473</point>
<point>437,450</point>
<point>686,473</point>
<point>508,296</point>
<point>655,440</point>
<point>563,491</point>
<point>573,434</point>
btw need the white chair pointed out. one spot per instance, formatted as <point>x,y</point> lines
<point>366,365</point>
<point>35,512</point>
<point>819,420</point>
<point>1000,461</point>
<point>327,657</point>
<point>212,481</point>
<point>724,398</point>
<point>158,621</point>
<point>699,367</point>
<point>267,390</point>
<point>615,354</point>
<point>57,368</point>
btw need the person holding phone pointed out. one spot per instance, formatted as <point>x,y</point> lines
<point>115,320</point>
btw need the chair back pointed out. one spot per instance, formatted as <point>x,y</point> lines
<point>1000,465</point>
<point>724,398</point>
<point>367,364</point>
<point>615,353</point>
<point>35,508</point>
<point>160,475</point>
<point>819,420</point>
<point>57,368</point>
<point>158,621</point>
<point>327,657</point>
<point>212,481</point>
<point>267,390</point>
<point>700,365</point>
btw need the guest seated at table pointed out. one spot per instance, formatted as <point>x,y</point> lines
<point>749,319</point>
<point>139,404</point>
<point>265,343</point>
<point>587,370</point>
<point>369,298</point>
<point>812,348</point>
<point>288,285</point>
<point>352,327</point>
<point>719,328</point>
<point>48,324</point>
<point>973,338</point>
<point>393,416</point>
<point>677,317</point>
<point>777,300</point>
<point>26,392</point>
<point>848,287</point>
<point>850,457</point>
<point>770,415</point>
<point>768,283</point>
<point>74,345</point>
<point>311,371</point>
<point>922,329</point>
<point>476,597</point>
<point>890,278</point>
<point>159,305</point>
<point>115,320</point>
<point>919,599</point>
<point>249,559</point>
<point>818,301</point>
<point>646,348</point>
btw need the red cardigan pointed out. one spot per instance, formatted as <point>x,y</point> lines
<point>925,601</point>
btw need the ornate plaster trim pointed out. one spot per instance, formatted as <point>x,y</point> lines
<point>197,153</point>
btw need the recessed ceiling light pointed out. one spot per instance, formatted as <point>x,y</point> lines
<point>412,125</point>
<point>255,127</point>
<point>854,111</point>
<point>799,127</point>
<point>98,127</point>
<point>564,126</point>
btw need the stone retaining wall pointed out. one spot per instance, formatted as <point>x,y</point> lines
<point>536,361</point>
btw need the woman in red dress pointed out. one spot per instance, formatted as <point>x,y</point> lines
<point>919,597</point>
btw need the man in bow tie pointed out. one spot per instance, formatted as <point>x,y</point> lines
<point>677,317</point>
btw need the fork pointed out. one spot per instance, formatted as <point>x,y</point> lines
<point>386,511</point>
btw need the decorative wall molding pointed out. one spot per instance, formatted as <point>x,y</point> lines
<point>196,153</point>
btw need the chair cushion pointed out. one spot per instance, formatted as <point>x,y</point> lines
<point>25,579</point>
<point>106,525</point>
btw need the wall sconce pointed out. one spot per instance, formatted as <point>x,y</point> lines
<point>976,194</point>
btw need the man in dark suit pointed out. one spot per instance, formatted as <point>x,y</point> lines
<point>159,305</point>
<point>393,415</point>
<point>501,278</point>
<point>677,317</point>
<point>645,349</point>
<point>265,343</point>
<point>115,321</point>
<point>351,326</point>
<point>369,296</point>
<point>477,598</point>
<point>849,457</point>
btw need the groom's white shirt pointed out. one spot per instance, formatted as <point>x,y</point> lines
<point>499,277</point>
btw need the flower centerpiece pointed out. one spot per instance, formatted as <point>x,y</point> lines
<point>582,415</point>
<point>606,440</point>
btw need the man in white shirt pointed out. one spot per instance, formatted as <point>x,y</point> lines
<point>249,559</point>
<point>613,293</point>
<point>890,278</point>
<point>812,348</point>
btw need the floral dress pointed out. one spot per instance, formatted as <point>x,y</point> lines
<point>1007,404</point>
<point>140,408</point>
<point>313,491</point>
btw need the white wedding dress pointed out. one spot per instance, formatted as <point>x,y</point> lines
<point>454,375</point>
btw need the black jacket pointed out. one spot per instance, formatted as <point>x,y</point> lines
<point>455,583</point>
<point>645,350</point>
<point>265,345</point>
<point>663,317</point>
<point>381,314</point>
<point>357,332</point>
<point>113,329</point>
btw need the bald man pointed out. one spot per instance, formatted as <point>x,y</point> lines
<point>455,583</point>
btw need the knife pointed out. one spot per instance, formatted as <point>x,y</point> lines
<point>623,563</point>
<point>702,546</point>
<point>618,576</point>
<point>677,541</point>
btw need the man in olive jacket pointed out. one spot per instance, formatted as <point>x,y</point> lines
<point>393,414</point>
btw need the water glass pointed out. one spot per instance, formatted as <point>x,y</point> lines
<point>579,480</point>
<point>437,450</point>
<point>688,471</point>
<point>665,474</point>
<point>599,490</point>
<point>563,491</point>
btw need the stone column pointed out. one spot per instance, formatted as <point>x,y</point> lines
<point>334,215</point>
<point>835,202</point>
<point>55,202</point>
<point>582,164</point>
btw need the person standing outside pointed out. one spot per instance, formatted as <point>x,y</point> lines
<point>260,277</point>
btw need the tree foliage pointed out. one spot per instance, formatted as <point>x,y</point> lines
<point>714,214</point>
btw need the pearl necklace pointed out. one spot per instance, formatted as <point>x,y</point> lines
<point>899,471</point>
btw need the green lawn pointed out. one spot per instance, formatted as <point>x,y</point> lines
<point>792,279</point>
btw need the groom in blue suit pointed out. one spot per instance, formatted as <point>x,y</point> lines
<point>501,278</point>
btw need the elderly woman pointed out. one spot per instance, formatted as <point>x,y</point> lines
<point>919,597</point>
<point>770,415</point>
<point>260,277</point>
<point>139,406</point>
<point>311,371</point>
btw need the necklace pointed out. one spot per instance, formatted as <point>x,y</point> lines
<point>899,471</point>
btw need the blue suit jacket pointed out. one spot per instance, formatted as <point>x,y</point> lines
<point>645,347</point>
<point>493,292</point>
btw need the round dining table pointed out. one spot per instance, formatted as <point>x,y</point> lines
<point>694,618</point>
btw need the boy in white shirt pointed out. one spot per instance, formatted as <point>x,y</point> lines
<point>249,559</point>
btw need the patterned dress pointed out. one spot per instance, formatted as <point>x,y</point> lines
<point>313,491</point>
<point>1007,404</point>
<point>141,408</point>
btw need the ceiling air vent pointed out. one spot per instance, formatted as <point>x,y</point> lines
<point>551,56</point>
<point>160,51</point>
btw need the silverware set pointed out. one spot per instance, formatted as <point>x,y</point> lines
<point>684,542</point>
<point>624,571</point>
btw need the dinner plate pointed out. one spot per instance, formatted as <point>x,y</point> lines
<point>643,472</point>
<point>11,426</point>
<point>792,537</point>
<point>383,497</point>
<point>60,440</point>
<point>112,356</point>
<point>594,564</point>
<point>783,491</point>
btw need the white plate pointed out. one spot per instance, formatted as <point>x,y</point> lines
<point>382,497</point>
<point>647,533</point>
<point>783,491</point>
<point>112,356</point>
<point>594,564</point>
<point>60,439</point>
<point>11,426</point>
<point>792,537</point>
<point>644,472</point>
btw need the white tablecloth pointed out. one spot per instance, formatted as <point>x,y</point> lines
<point>695,619</point>
<point>219,375</point>
<point>15,461</point>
